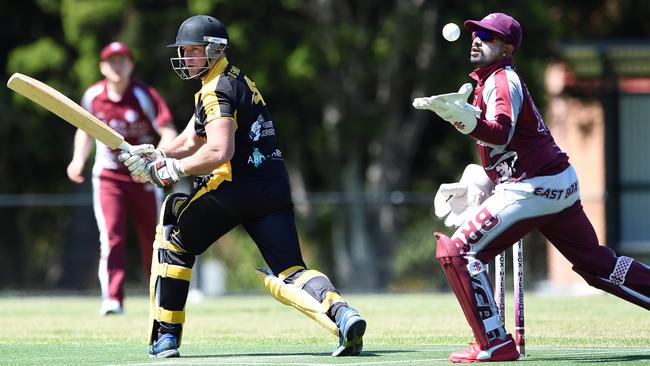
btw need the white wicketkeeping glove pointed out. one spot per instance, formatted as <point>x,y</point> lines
<point>137,157</point>
<point>455,202</point>
<point>165,172</point>
<point>453,108</point>
<point>450,203</point>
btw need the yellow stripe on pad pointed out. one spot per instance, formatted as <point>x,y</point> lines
<point>174,271</point>
<point>174,248</point>
<point>331,298</point>
<point>169,316</point>
<point>306,276</point>
<point>289,271</point>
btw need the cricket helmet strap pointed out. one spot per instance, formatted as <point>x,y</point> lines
<point>199,30</point>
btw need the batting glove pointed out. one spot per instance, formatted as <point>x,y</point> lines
<point>165,172</point>
<point>138,156</point>
<point>453,108</point>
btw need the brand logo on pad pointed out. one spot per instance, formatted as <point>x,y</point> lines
<point>473,230</point>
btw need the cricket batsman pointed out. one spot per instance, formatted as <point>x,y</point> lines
<point>230,142</point>
<point>526,183</point>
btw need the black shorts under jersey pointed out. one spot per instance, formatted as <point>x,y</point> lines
<point>263,208</point>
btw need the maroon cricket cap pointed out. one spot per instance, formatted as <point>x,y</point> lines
<point>502,24</point>
<point>115,48</point>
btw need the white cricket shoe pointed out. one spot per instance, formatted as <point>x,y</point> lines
<point>500,350</point>
<point>110,306</point>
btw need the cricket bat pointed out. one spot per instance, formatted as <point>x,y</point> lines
<point>57,103</point>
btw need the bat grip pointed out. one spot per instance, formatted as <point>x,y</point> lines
<point>125,146</point>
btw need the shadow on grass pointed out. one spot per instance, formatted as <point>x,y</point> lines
<point>596,358</point>
<point>374,353</point>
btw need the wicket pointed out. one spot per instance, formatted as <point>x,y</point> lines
<point>518,281</point>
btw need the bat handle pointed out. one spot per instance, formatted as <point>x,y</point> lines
<point>125,146</point>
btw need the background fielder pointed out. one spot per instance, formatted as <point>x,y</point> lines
<point>536,188</point>
<point>138,113</point>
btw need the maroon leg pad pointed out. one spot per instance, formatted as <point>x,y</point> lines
<point>595,281</point>
<point>454,266</point>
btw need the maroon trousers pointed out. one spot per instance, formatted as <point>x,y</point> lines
<point>571,232</point>
<point>115,202</point>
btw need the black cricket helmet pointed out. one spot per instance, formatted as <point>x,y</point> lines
<point>199,30</point>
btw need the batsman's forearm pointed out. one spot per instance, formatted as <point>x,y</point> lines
<point>205,160</point>
<point>181,147</point>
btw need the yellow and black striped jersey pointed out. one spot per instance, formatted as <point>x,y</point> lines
<point>228,93</point>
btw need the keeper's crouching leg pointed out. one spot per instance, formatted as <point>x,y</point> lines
<point>628,280</point>
<point>171,273</point>
<point>468,278</point>
<point>312,293</point>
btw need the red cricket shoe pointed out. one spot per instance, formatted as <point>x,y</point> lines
<point>501,350</point>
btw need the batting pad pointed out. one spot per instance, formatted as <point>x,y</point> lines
<point>472,289</point>
<point>170,274</point>
<point>293,295</point>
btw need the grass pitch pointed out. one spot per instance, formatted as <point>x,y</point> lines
<point>408,329</point>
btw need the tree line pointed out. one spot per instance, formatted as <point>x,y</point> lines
<point>339,77</point>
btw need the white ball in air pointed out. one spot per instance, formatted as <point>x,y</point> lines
<point>451,32</point>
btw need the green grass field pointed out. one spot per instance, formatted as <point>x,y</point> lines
<point>418,329</point>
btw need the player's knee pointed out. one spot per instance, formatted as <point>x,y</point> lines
<point>176,258</point>
<point>168,242</point>
<point>616,276</point>
<point>446,248</point>
<point>288,287</point>
<point>172,207</point>
<point>450,254</point>
<point>315,283</point>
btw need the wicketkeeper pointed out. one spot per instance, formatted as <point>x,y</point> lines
<point>527,183</point>
<point>231,140</point>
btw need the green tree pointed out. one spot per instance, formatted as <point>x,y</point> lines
<point>339,77</point>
